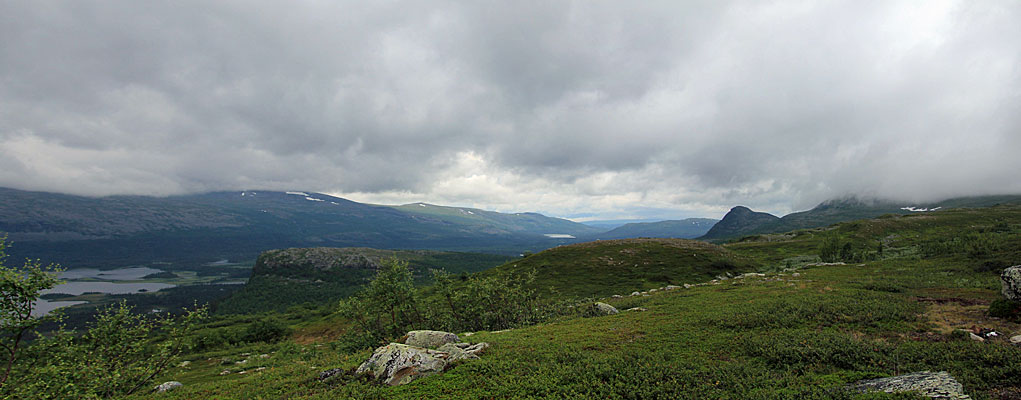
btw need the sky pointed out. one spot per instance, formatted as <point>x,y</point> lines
<point>578,109</point>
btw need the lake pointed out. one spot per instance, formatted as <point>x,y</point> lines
<point>108,284</point>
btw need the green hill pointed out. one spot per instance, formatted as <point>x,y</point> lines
<point>741,221</point>
<point>804,330</point>
<point>321,275</point>
<point>607,267</point>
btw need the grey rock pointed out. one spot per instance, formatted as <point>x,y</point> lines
<point>398,364</point>
<point>1015,339</point>
<point>671,287</point>
<point>167,386</point>
<point>637,309</point>
<point>604,309</point>
<point>463,351</point>
<point>688,286</point>
<point>635,293</point>
<point>1011,282</point>
<point>975,337</point>
<point>937,385</point>
<point>617,296</point>
<point>430,339</point>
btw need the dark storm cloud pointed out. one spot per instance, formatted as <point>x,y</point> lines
<point>563,107</point>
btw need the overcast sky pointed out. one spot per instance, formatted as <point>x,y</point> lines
<point>586,109</point>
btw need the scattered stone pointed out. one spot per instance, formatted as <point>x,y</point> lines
<point>653,290</point>
<point>259,369</point>
<point>502,330</point>
<point>183,364</point>
<point>673,287</point>
<point>1015,339</point>
<point>976,338</point>
<point>616,296</point>
<point>604,309</point>
<point>241,362</point>
<point>637,309</point>
<point>466,334</point>
<point>430,339</point>
<point>796,274</point>
<point>635,294</point>
<point>225,372</point>
<point>937,385</point>
<point>1011,282</point>
<point>167,386</point>
<point>263,355</point>
<point>687,286</point>
<point>245,354</point>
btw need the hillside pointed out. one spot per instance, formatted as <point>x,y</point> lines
<point>283,278</point>
<point>237,226</point>
<point>802,330</point>
<point>606,267</point>
<point>738,221</point>
<point>840,210</point>
<point>689,228</point>
<point>489,221</point>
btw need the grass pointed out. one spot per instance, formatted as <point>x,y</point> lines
<point>775,337</point>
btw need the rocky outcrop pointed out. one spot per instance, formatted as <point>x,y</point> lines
<point>430,339</point>
<point>167,386</point>
<point>1011,282</point>
<point>937,385</point>
<point>401,363</point>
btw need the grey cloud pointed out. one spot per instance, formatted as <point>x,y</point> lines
<point>775,105</point>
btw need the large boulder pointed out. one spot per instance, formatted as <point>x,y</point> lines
<point>167,386</point>
<point>430,339</point>
<point>601,308</point>
<point>398,364</point>
<point>1011,281</point>
<point>937,385</point>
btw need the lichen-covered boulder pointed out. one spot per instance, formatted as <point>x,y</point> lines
<point>1011,282</point>
<point>463,351</point>
<point>937,385</point>
<point>604,309</point>
<point>167,386</point>
<point>398,364</point>
<point>430,339</point>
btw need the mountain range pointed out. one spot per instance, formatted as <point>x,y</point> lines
<point>125,230</point>
<point>741,221</point>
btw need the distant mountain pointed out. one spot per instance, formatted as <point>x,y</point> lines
<point>608,224</point>
<point>126,230</point>
<point>490,221</point>
<point>738,221</point>
<point>741,221</point>
<point>681,229</point>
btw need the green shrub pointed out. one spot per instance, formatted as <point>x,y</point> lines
<point>1003,308</point>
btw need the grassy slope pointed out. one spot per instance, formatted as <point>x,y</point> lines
<point>776,337</point>
<point>607,267</point>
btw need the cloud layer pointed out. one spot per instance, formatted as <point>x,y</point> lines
<point>602,109</point>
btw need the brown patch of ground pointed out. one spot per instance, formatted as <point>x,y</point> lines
<point>948,314</point>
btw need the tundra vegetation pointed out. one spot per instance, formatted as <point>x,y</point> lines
<point>902,298</point>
